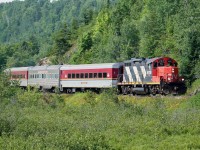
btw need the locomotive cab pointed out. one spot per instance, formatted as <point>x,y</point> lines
<point>165,70</point>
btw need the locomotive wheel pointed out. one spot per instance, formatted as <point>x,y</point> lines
<point>166,90</point>
<point>124,90</point>
<point>182,88</point>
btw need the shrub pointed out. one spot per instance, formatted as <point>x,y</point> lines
<point>7,90</point>
<point>109,95</point>
<point>195,100</point>
<point>195,86</point>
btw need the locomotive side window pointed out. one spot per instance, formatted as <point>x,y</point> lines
<point>155,64</point>
<point>69,76</point>
<point>175,64</point>
<point>149,66</point>
<point>100,75</point>
<point>90,75</point>
<point>104,75</point>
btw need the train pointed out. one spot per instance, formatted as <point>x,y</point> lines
<point>158,75</point>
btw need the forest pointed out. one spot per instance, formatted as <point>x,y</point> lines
<point>34,32</point>
<point>98,31</point>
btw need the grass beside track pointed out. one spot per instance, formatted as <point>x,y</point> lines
<point>33,120</point>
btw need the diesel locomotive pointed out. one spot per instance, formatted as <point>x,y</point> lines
<point>151,76</point>
<point>136,76</point>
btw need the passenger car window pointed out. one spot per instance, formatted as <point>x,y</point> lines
<point>73,75</point>
<point>69,76</point>
<point>104,75</point>
<point>77,75</point>
<point>90,75</point>
<point>82,75</point>
<point>86,75</point>
<point>95,75</point>
<point>100,75</point>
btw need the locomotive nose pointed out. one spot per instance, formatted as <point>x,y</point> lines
<point>168,73</point>
<point>172,74</point>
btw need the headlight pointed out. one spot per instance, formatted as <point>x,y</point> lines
<point>183,79</point>
<point>169,79</point>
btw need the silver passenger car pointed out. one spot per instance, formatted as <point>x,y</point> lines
<point>44,77</point>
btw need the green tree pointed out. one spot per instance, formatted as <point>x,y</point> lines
<point>62,43</point>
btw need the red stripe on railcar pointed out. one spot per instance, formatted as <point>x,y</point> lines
<point>18,73</point>
<point>111,72</point>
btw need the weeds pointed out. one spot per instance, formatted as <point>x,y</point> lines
<point>34,120</point>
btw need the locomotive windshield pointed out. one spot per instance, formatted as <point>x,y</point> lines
<point>161,62</point>
<point>169,62</point>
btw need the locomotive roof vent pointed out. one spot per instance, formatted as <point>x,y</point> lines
<point>136,59</point>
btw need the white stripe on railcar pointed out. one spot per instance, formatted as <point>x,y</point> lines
<point>129,74</point>
<point>136,74</point>
<point>143,71</point>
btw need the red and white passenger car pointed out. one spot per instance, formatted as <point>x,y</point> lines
<point>89,76</point>
<point>20,74</point>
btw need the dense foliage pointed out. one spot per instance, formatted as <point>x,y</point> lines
<point>35,120</point>
<point>30,29</point>
<point>91,31</point>
<point>146,28</point>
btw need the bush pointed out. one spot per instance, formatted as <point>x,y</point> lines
<point>195,101</point>
<point>8,90</point>
<point>195,86</point>
<point>109,95</point>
